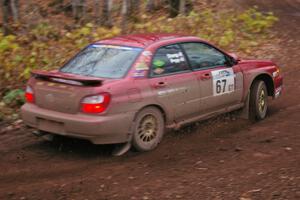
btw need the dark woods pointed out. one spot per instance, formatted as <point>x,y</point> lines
<point>10,10</point>
<point>103,11</point>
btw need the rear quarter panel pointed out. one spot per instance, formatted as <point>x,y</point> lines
<point>131,95</point>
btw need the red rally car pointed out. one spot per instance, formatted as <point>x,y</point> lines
<point>129,89</point>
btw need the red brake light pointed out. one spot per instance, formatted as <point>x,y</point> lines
<point>96,103</point>
<point>29,95</point>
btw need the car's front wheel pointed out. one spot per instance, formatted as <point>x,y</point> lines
<point>149,129</point>
<point>258,100</point>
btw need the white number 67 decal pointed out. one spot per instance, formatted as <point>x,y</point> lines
<point>223,81</point>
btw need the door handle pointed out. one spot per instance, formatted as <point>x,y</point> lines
<point>205,76</point>
<point>160,84</point>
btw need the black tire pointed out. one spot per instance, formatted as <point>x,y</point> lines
<point>149,129</point>
<point>258,101</point>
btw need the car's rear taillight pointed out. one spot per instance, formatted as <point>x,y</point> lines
<point>96,103</point>
<point>29,95</point>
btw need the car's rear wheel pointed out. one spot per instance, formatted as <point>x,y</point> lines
<point>258,100</point>
<point>149,129</point>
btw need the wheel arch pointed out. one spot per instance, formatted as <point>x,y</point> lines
<point>268,81</point>
<point>160,108</point>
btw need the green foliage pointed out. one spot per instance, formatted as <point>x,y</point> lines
<point>14,97</point>
<point>46,47</point>
<point>44,30</point>
<point>227,29</point>
<point>8,43</point>
<point>256,22</point>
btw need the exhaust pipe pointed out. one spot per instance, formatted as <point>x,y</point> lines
<point>44,135</point>
<point>38,133</point>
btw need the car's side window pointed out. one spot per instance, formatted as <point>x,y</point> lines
<point>203,56</point>
<point>167,60</point>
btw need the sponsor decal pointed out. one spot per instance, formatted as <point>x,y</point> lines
<point>66,81</point>
<point>222,73</point>
<point>141,66</point>
<point>139,73</point>
<point>51,84</point>
<point>40,83</point>
<point>158,66</point>
<point>147,59</point>
<point>158,70</point>
<point>170,91</point>
<point>96,45</point>
<point>223,81</point>
<point>176,57</point>
<point>159,63</point>
<point>147,53</point>
<point>114,47</point>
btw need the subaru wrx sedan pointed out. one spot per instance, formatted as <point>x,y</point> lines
<point>129,89</point>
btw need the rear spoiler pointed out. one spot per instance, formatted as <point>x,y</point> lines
<point>70,79</point>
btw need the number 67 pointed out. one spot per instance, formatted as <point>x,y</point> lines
<point>219,86</point>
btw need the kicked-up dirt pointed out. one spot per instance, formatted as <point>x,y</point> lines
<point>222,158</point>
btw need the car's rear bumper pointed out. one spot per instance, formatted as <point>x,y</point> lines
<point>97,129</point>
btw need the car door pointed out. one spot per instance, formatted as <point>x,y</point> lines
<point>174,84</point>
<point>221,85</point>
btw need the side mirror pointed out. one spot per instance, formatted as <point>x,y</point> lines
<point>235,57</point>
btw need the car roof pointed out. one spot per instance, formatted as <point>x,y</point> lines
<point>141,40</point>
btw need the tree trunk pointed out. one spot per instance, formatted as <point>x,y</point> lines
<point>106,13</point>
<point>182,7</point>
<point>189,5</point>
<point>74,8</point>
<point>124,14</point>
<point>78,8</point>
<point>5,16</point>
<point>173,7</point>
<point>83,8</point>
<point>134,9</point>
<point>58,5</point>
<point>14,5</point>
<point>97,11</point>
<point>150,5</point>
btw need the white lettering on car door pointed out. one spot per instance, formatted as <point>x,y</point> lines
<point>170,91</point>
<point>223,81</point>
<point>176,57</point>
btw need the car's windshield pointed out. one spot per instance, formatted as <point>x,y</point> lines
<point>103,61</point>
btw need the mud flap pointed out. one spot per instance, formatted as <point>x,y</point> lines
<point>244,114</point>
<point>121,149</point>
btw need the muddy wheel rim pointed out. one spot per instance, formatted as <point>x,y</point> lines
<point>147,129</point>
<point>262,101</point>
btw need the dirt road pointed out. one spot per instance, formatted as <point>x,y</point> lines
<point>223,158</point>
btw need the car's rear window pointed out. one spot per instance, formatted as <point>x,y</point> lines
<point>103,61</point>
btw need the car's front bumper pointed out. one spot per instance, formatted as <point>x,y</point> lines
<point>97,129</point>
<point>278,84</point>
<point>278,92</point>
